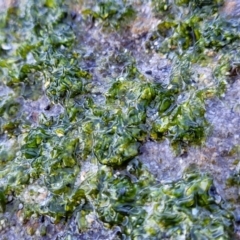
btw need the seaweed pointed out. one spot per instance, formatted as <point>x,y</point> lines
<point>40,52</point>
<point>113,14</point>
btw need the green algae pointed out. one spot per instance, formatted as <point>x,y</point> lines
<point>190,29</point>
<point>108,134</point>
<point>146,209</point>
<point>9,113</point>
<point>234,179</point>
<point>2,201</point>
<point>113,14</point>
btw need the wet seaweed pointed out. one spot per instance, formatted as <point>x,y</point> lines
<point>38,53</point>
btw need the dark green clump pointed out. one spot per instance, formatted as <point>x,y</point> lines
<point>111,13</point>
<point>200,28</point>
<point>171,7</point>
<point>9,113</point>
<point>2,201</point>
<point>144,209</point>
<point>234,178</point>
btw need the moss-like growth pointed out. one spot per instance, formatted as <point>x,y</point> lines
<point>111,13</point>
<point>144,209</point>
<point>109,132</point>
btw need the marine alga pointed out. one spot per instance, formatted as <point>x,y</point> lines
<point>44,55</point>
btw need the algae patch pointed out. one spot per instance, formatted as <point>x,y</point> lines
<point>44,56</point>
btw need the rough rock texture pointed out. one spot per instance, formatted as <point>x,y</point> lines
<point>231,8</point>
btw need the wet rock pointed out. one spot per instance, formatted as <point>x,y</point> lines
<point>20,206</point>
<point>231,8</point>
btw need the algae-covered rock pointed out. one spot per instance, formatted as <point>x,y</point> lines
<point>108,127</point>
